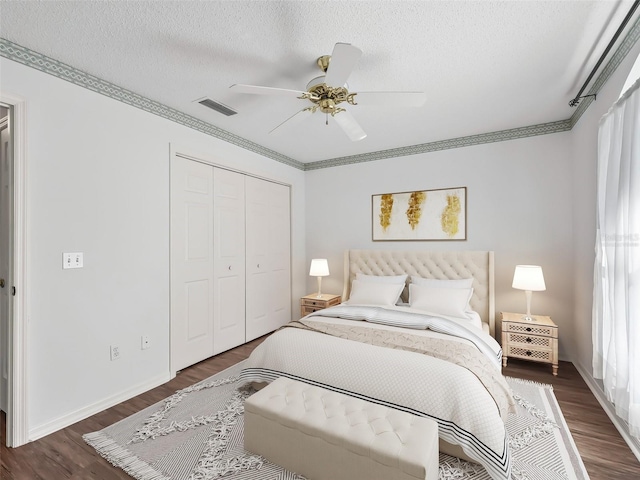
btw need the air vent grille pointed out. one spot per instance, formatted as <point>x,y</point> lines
<point>218,107</point>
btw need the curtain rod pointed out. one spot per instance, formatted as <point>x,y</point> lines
<point>576,99</point>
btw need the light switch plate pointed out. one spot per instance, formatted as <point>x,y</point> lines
<point>72,260</point>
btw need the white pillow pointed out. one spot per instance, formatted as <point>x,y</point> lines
<point>458,283</point>
<point>433,282</point>
<point>390,279</point>
<point>373,293</point>
<point>394,279</point>
<point>448,302</point>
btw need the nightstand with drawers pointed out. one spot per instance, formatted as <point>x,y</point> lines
<point>535,339</point>
<point>312,303</point>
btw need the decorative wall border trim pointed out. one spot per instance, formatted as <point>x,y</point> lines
<point>61,70</point>
<point>45,64</point>
<point>500,136</point>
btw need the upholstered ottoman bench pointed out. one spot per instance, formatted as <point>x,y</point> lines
<point>325,435</point>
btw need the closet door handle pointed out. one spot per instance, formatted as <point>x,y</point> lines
<point>258,265</point>
<point>229,267</point>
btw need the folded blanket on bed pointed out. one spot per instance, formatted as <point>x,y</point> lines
<point>406,318</point>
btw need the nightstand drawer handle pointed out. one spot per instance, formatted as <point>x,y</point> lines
<point>528,352</point>
<point>528,339</point>
<point>528,329</point>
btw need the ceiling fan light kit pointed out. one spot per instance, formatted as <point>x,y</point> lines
<point>326,97</point>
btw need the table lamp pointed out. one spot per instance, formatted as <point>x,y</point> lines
<point>319,268</point>
<point>530,279</point>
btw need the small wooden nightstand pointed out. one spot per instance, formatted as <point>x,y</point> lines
<point>535,340</point>
<point>311,303</point>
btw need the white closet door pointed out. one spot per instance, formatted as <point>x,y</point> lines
<point>280,233</point>
<point>191,263</point>
<point>268,258</point>
<point>229,260</point>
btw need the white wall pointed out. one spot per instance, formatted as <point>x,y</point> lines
<point>519,205</point>
<point>98,183</point>
<point>584,140</point>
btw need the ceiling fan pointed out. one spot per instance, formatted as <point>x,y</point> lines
<point>328,91</point>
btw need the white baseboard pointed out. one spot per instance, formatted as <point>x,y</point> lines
<point>73,417</point>
<point>609,409</point>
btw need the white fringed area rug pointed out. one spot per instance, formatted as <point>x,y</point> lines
<point>197,434</point>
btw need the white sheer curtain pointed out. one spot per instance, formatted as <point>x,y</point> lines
<point>616,296</point>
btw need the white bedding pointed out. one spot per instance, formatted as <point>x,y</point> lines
<point>473,317</point>
<point>466,413</point>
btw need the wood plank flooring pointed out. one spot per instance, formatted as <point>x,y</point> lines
<point>64,455</point>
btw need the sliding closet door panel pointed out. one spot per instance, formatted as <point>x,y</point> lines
<point>268,258</point>
<point>229,260</point>
<point>280,233</point>
<point>257,249</point>
<point>191,263</point>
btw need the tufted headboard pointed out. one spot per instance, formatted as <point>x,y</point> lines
<point>441,265</point>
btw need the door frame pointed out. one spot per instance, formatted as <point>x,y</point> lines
<point>17,420</point>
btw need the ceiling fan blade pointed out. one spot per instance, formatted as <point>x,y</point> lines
<point>391,99</point>
<point>292,121</point>
<point>349,125</point>
<point>258,90</point>
<point>343,59</point>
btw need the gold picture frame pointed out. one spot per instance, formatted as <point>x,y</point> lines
<point>424,215</point>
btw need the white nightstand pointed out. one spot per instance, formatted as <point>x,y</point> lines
<point>535,340</point>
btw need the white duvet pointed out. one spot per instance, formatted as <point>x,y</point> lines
<point>453,396</point>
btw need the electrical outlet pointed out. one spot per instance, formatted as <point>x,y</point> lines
<point>145,342</point>
<point>115,352</point>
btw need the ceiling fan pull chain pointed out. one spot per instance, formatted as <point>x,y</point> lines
<point>327,120</point>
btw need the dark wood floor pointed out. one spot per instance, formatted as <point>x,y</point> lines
<point>64,455</point>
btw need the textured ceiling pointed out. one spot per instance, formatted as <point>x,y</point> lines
<point>485,65</point>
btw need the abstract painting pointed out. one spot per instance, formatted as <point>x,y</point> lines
<point>422,215</point>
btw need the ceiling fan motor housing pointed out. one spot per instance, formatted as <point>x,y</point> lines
<point>327,98</point>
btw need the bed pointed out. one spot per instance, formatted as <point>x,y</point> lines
<point>415,332</point>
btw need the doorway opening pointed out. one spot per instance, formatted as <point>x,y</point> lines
<point>6,257</point>
<point>13,270</point>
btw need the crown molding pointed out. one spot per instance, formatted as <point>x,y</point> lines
<point>63,71</point>
<point>45,64</point>
<point>492,137</point>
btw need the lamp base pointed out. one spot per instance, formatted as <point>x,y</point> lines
<point>528,318</point>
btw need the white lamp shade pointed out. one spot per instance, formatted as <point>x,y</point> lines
<point>528,277</point>
<point>319,267</point>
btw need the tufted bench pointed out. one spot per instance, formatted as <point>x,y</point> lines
<point>325,435</point>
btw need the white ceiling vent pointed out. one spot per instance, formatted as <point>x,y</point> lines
<point>218,107</point>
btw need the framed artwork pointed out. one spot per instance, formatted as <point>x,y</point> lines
<point>423,215</point>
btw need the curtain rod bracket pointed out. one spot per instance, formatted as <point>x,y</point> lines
<point>576,101</point>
